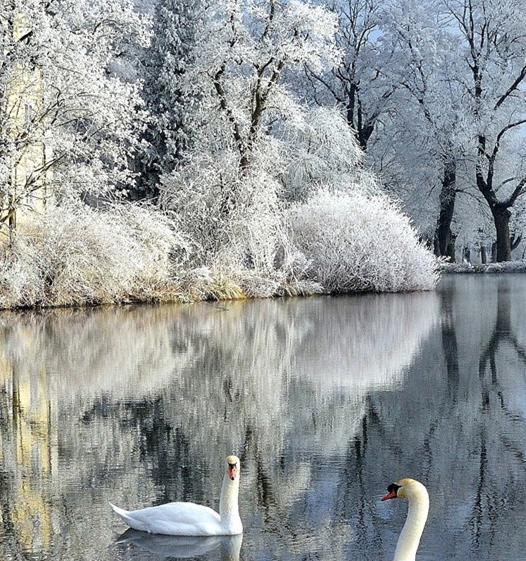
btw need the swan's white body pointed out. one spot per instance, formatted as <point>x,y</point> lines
<point>190,519</point>
<point>418,499</point>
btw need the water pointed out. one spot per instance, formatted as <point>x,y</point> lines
<point>326,401</point>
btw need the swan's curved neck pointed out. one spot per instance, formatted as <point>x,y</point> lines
<point>413,527</point>
<point>228,504</point>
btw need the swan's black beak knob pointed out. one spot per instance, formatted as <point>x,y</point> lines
<point>232,471</point>
<point>393,492</point>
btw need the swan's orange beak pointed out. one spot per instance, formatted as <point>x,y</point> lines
<point>392,491</point>
<point>390,495</point>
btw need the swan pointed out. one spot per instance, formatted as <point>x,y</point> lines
<point>418,498</point>
<point>190,519</point>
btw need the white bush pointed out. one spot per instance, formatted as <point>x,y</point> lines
<point>360,242</point>
<point>78,255</point>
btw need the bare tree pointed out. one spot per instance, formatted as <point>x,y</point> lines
<point>493,52</point>
<point>358,83</point>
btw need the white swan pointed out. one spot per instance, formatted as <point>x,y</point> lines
<point>190,519</point>
<point>418,499</point>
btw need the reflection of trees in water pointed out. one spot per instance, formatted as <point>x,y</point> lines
<point>501,431</point>
<point>459,424</point>
<point>165,450</point>
<point>147,401</point>
<point>450,343</point>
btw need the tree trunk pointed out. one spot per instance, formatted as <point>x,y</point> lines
<point>363,131</point>
<point>483,256</point>
<point>446,242</point>
<point>501,217</point>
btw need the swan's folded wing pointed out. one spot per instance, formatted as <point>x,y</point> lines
<point>176,519</point>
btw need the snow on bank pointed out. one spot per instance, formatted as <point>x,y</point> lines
<point>490,268</point>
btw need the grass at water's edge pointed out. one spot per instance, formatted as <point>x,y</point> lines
<point>212,289</point>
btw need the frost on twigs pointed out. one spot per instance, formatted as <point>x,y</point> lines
<point>360,242</point>
<point>77,255</point>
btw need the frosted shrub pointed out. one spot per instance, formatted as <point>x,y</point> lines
<point>198,193</point>
<point>359,242</point>
<point>76,256</point>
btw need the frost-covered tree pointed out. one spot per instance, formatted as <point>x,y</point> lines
<point>69,118</point>
<point>431,139</point>
<point>462,65</point>
<point>391,82</point>
<point>322,153</point>
<point>359,83</point>
<point>227,194</point>
<point>493,51</point>
<point>171,128</point>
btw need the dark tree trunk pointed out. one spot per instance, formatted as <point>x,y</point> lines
<point>363,130</point>
<point>483,256</point>
<point>445,240</point>
<point>501,216</point>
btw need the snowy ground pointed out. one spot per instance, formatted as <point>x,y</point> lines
<point>504,267</point>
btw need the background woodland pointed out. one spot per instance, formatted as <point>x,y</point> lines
<point>185,150</point>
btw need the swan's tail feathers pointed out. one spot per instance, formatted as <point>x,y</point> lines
<point>128,518</point>
<point>120,511</point>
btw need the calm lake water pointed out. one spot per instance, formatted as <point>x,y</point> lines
<point>326,401</point>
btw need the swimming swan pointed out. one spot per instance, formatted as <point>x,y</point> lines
<point>190,519</point>
<point>418,499</point>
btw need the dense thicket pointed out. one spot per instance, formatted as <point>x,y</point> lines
<point>247,122</point>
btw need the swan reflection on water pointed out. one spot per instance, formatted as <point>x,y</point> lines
<point>183,546</point>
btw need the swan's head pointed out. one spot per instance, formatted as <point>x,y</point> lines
<point>406,488</point>
<point>232,467</point>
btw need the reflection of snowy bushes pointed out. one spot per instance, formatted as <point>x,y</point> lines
<point>73,256</point>
<point>146,401</point>
<point>358,242</point>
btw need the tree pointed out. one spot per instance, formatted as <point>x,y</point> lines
<point>227,194</point>
<point>359,82</point>
<point>171,130</point>
<point>424,70</point>
<point>69,117</point>
<point>466,71</point>
<point>460,120</point>
<point>494,52</point>
<point>322,153</point>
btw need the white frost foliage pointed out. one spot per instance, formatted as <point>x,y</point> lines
<point>360,242</point>
<point>88,118</point>
<point>322,151</point>
<point>74,256</point>
<point>223,210</point>
<point>255,234</point>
